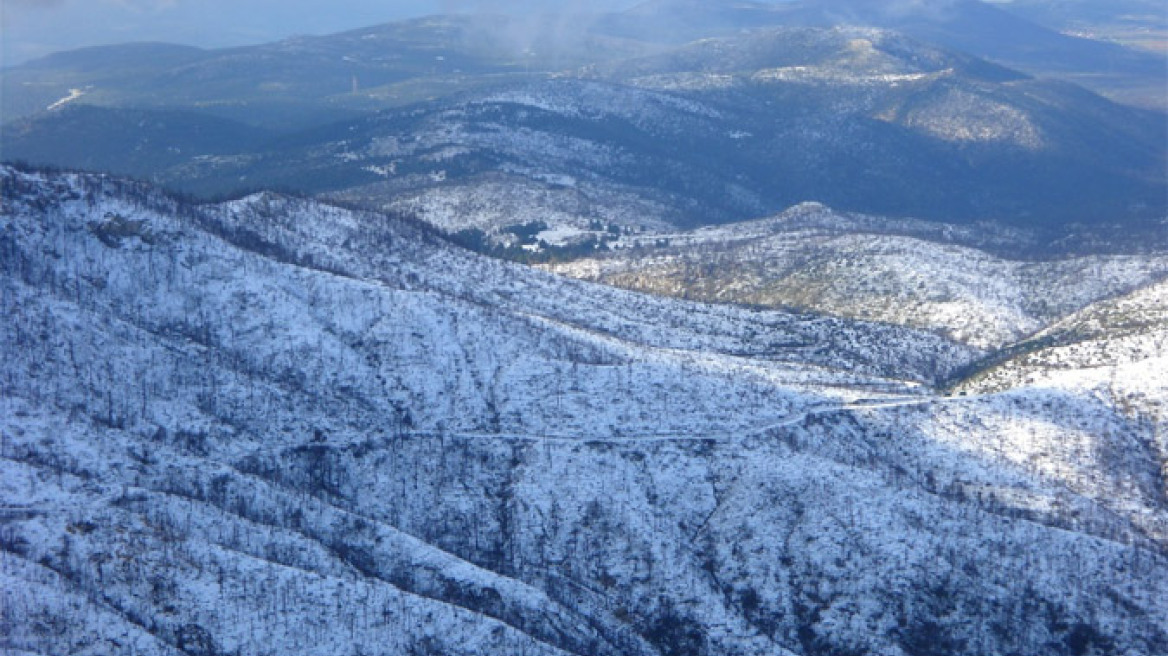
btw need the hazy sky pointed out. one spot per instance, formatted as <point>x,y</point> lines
<point>32,28</point>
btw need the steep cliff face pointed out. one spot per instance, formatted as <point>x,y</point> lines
<point>273,426</point>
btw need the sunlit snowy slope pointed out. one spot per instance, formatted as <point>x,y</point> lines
<point>985,285</point>
<point>273,426</point>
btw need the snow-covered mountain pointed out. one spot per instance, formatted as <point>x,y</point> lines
<point>997,31</point>
<point>275,426</point>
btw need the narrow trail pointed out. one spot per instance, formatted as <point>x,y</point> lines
<point>677,438</point>
<point>794,420</point>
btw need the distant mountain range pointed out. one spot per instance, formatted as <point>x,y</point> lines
<point>978,28</point>
<point>648,133</point>
<point>307,79</point>
<point>1140,24</point>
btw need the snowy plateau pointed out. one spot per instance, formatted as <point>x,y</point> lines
<point>275,426</point>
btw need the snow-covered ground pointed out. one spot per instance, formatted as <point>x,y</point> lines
<point>902,273</point>
<point>275,426</point>
<point>493,203</point>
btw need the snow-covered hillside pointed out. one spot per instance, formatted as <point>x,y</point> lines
<point>1113,350</point>
<point>274,426</point>
<point>570,209</point>
<point>932,277</point>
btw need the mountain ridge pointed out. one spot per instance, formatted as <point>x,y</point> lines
<point>863,120</point>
